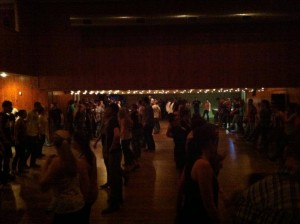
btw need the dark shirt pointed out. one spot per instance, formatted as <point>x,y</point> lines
<point>6,127</point>
<point>148,116</point>
<point>55,115</point>
<point>135,120</point>
<point>112,124</point>
<point>193,210</point>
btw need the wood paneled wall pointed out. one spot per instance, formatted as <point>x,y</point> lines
<point>28,86</point>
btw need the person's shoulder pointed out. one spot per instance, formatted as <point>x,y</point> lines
<point>202,163</point>
<point>202,168</point>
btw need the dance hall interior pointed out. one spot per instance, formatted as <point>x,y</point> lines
<point>220,78</point>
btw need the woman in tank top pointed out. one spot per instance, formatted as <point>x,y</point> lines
<point>198,192</point>
<point>60,174</point>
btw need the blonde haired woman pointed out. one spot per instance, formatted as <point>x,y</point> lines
<point>60,174</point>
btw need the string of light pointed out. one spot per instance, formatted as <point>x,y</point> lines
<point>163,91</point>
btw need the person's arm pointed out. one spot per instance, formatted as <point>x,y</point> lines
<point>203,173</point>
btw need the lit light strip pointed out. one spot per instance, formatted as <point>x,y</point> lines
<point>162,91</point>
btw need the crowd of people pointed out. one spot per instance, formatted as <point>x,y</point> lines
<point>271,199</point>
<point>71,173</point>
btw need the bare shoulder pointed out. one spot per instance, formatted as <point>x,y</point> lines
<point>202,163</point>
<point>201,168</point>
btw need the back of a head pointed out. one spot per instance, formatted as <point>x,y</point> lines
<point>146,99</point>
<point>6,104</point>
<point>202,136</point>
<point>21,113</point>
<point>205,132</point>
<point>37,105</point>
<point>197,120</point>
<point>114,108</point>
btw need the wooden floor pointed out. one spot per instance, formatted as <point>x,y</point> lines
<point>149,197</point>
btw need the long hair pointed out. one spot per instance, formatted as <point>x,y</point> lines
<point>201,139</point>
<point>62,144</point>
<point>82,139</point>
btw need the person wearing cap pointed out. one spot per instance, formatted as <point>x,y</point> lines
<point>198,191</point>
<point>61,175</point>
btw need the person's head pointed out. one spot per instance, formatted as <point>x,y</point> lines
<point>37,106</point>
<point>205,141</point>
<point>111,110</point>
<point>146,100</point>
<point>184,112</point>
<point>197,121</point>
<point>22,114</point>
<point>7,106</point>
